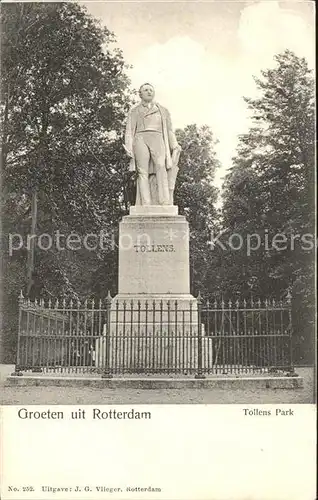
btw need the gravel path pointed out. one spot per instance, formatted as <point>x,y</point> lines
<point>89,395</point>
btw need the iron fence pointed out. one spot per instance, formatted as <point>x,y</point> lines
<point>193,337</point>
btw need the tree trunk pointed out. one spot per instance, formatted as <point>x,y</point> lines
<point>31,249</point>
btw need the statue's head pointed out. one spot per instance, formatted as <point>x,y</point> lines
<point>146,92</point>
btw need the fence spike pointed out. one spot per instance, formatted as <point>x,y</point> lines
<point>244,303</point>
<point>230,304</point>
<point>109,297</point>
<point>50,303</point>
<point>93,303</point>
<point>21,295</point>
<point>237,303</point>
<point>259,303</point>
<point>222,303</point>
<point>57,304</point>
<point>266,303</point>
<point>215,304</point>
<point>289,296</point>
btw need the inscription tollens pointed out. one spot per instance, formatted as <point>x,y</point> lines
<point>154,248</point>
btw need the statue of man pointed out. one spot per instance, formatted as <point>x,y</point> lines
<point>153,150</point>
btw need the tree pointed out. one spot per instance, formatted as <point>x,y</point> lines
<point>270,190</point>
<point>63,102</point>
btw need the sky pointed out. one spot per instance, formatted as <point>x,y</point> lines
<point>201,56</point>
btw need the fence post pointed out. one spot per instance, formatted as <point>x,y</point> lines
<point>291,372</point>
<point>106,373</point>
<point>199,374</point>
<point>37,341</point>
<point>17,372</point>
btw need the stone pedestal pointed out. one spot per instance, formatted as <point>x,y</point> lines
<point>154,273</point>
<point>154,318</point>
<point>153,253</point>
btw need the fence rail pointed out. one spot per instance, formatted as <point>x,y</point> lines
<point>154,337</point>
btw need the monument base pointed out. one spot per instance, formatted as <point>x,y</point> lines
<point>154,252</point>
<point>138,210</point>
<point>152,333</point>
<point>159,314</point>
<point>147,354</point>
<point>153,322</point>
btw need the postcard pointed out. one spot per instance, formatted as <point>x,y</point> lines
<point>158,216</point>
